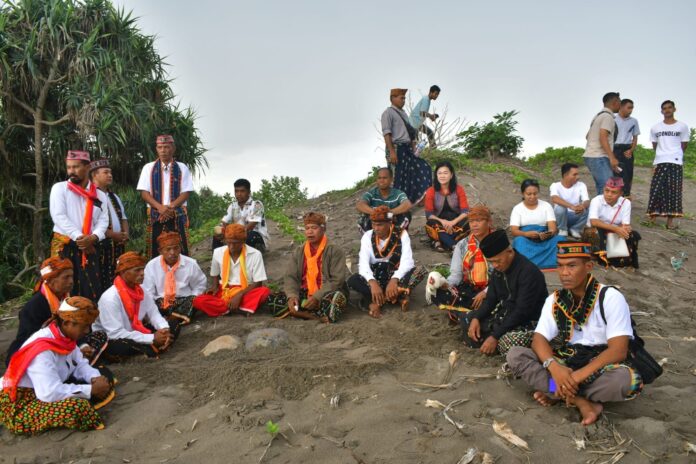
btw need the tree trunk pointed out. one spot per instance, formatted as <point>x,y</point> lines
<point>37,228</point>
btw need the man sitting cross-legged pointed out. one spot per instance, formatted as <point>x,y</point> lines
<point>238,275</point>
<point>173,279</point>
<point>579,354</point>
<point>315,279</point>
<point>386,271</point>
<point>129,315</point>
<point>384,194</point>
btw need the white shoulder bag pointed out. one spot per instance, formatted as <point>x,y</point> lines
<point>616,245</point>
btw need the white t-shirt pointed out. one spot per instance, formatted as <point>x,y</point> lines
<point>574,195</point>
<point>594,332</point>
<point>522,216</point>
<point>256,272</point>
<point>600,209</point>
<point>669,138</point>
<point>186,181</point>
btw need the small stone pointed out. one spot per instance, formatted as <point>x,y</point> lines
<point>266,338</point>
<point>226,342</point>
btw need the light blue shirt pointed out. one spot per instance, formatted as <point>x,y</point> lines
<point>422,107</point>
<point>628,128</point>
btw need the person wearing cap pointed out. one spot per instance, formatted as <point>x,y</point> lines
<point>315,278</point>
<point>54,285</point>
<point>165,185</point>
<point>80,220</point>
<point>48,383</point>
<point>114,245</point>
<point>238,275</point>
<point>130,316</point>
<point>173,279</point>
<point>384,194</point>
<point>586,365</point>
<point>248,212</point>
<point>412,175</point>
<point>516,293</point>
<point>387,272</point>
<point>611,213</point>
<point>465,287</point>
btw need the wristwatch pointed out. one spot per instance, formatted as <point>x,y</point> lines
<point>548,362</point>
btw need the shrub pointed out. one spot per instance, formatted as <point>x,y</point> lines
<point>281,191</point>
<point>496,138</point>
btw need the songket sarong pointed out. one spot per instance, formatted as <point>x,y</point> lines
<point>666,191</point>
<point>108,254</point>
<point>541,253</point>
<point>412,175</point>
<point>87,279</point>
<point>437,233</point>
<point>383,273</point>
<point>598,239</point>
<point>331,305</point>
<point>179,223</point>
<point>27,415</point>
<point>180,309</point>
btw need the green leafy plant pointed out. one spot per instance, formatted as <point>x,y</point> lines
<point>495,138</point>
<point>272,428</point>
<point>281,191</point>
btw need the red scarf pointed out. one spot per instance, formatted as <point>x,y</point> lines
<point>89,195</point>
<point>21,359</point>
<point>131,298</point>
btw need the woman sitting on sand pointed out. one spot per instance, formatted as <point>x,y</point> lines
<point>446,209</point>
<point>49,383</point>
<point>533,224</point>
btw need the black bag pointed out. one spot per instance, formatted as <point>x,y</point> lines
<point>638,356</point>
<point>412,132</point>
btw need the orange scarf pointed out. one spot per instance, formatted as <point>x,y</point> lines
<point>169,283</point>
<point>312,263</point>
<point>475,264</point>
<point>131,298</point>
<point>89,195</point>
<point>53,301</point>
<point>227,291</point>
<point>21,359</point>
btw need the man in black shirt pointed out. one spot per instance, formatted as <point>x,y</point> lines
<point>516,294</point>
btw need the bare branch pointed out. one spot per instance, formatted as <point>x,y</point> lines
<point>17,101</point>
<point>28,206</point>
<point>63,119</point>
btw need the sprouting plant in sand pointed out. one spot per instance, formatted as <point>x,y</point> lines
<point>273,430</point>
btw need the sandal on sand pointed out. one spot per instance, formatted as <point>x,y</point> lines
<point>437,246</point>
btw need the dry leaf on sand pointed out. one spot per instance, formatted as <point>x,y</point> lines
<point>502,429</point>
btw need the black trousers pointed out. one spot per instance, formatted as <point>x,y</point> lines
<point>626,166</point>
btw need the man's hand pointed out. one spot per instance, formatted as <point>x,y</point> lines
<point>474,331</point>
<point>122,237</point>
<point>614,163</point>
<point>476,302</point>
<point>311,304</point>
<point>293,305</point>
<point>235,301</point>
<point>87,351</point>
<point>566,385</point>
<point>622,232</point>
<point>629,153</point>
<point>377,293</point>
<point>490,345</point>
<point>162,337</point>
<point>392,157</point>
<point>578,209</point>
<point>393,289</point>
<point>100,387</point>
<point>86,241</point>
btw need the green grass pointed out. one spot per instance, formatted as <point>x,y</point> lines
<point>286,225</point>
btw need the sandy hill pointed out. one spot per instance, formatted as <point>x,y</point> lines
<point>185,408</point>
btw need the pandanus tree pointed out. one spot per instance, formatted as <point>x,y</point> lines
<point>79,75</point>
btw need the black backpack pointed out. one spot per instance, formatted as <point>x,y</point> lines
<point>638,356</point>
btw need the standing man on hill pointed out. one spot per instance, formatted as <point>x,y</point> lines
<point>412,175</point>
<point>114,245</point>
<point>599,153</point>
<point>420,112</point>
<point>165,186</point>
<point>80,219</point>
<point>626,141</point>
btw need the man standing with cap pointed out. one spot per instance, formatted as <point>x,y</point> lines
<point>516,293</point>
<point>590,326</point>
<point>412,175</point>
<point>165,186</point>
<point>80,219</point>
<point>114,245</point>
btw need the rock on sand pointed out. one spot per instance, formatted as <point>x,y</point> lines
<point>226,342</point>
<point>266,338</point>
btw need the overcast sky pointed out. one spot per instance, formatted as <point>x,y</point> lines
<point>290,87</point>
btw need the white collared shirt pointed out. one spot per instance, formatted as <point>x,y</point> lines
<point>115,322</point>
<point>252,211</point>
<point>367,256</point>
<point>190,279</point>
<point>600,209</point>
<point>68,210</point>
<point>256,272</point>
<point>146,175</point>
<point>594,332</point>
<point>48,371</point>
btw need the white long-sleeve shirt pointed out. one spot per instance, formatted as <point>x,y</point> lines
<point>114,320</point>
<point>68,210</point>
<point>367,256</point>
<point>190,279</point>
<point>186,181</point>
<point>48,371</point>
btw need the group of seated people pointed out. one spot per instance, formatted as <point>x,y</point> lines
<point>497,295</point>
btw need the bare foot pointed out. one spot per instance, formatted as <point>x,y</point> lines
<point>543,399</point>
<point>375,311</point>
<point>589,411</point>
<point>404,304</point>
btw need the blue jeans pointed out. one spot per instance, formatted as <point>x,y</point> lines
<point>569,221</point>
<point>601,171</point>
